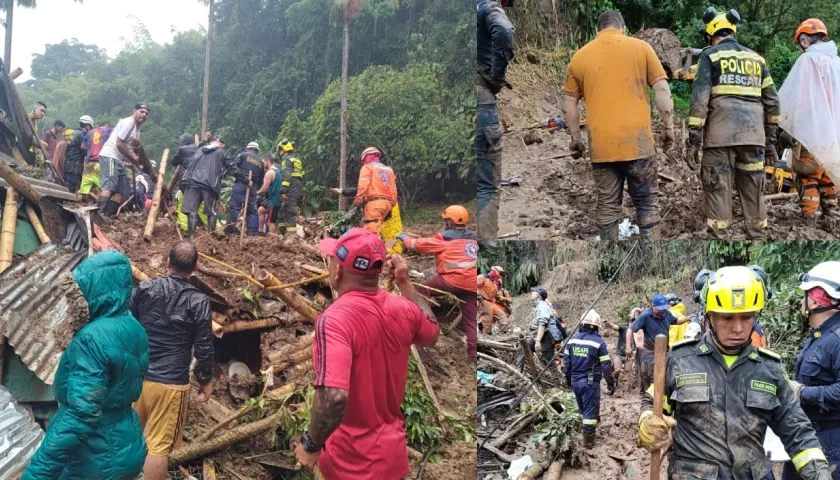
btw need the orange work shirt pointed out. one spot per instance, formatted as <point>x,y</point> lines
<point>611,74</point>
<point>455,256</point>
<point>487,290</point>
<point>376,182</point>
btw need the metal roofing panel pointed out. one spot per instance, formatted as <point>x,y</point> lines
<point>45,188</point>
<point>20,436</point>
<point>32,314</point>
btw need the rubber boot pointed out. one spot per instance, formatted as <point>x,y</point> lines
<point>211,223</point>
<point>609,233</point>
<point>649,234</point>
<point>588,439</point>
<point>103,204</point>
<point>192,221</point>
<point>112,208</point>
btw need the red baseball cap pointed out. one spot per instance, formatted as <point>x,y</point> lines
<point>357,250</point>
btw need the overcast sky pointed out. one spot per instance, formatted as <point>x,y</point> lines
<point>99,22</point>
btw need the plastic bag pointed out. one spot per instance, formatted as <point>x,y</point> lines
<point>810,104</point>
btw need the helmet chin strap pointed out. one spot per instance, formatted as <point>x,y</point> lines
<point>731,350</point>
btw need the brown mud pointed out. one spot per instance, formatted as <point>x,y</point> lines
<point>555,198</point>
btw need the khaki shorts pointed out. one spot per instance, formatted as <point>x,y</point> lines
<point>163,413</point>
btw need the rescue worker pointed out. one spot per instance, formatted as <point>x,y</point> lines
<point>377,190</point>
<point>722,394</point>
<point>118,155</point>
<point>817,368</point>
<point>734,118</point>
<point>585,359</point>
<point>291,191</point>
<point>202,183</point>
<point>185,153</point>
<point>456,253</point>
<point>611,74</point>
<point>272,190</point>
<point>496,49</point>
<point>654,321</point>
<point>693,331</point>
<point>818,62</point>
<point>247,163</point>
<point>490,311</point>
<point>677,309</point>
<point>74,156</point>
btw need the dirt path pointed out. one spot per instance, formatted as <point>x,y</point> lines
<point>555,198</point>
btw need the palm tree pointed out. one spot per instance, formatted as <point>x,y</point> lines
<point>205,104</point>
<point>9,7</point>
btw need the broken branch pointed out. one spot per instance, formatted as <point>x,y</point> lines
<point>428,383</point>
<point>36,224</point>
<point>244,325</point>
<point>510,369</point>
<point>289,296</point>
<point>235,435</point>
<point>483,342</point>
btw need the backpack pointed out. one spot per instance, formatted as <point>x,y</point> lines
<point>558,333</point>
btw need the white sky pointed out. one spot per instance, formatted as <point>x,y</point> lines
<point>99,22</point>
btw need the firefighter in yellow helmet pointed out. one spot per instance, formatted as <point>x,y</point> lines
<point>722,393</point>
<point>733,119</point>
<point>377,190</point>
<point>291,187</point>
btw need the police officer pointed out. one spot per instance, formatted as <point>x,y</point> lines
<point>247,162</point>
<point>734,102</point>
<point>583,355</point>
<point>292,186</point>
<point>817,368</point>
<point>722,393</point>
<point>496,47</point>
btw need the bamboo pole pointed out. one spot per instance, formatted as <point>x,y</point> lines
<point>316,278</point>
<point>209,470</point>
<point>294,358</point>
<point>428,383</point>
<point>289,296</point>
<point>138,274</point>
<point>18,183</point>
<point>227,421</point>
<point>16,73</point>
<point>7,231</point>
<point>235,435</point>
<point>150,222</point>
<point>244,213</point>
<point>244,325</point>
<point>232,268</point>
<point>36,224</point>
<point>302,343</point>
<point>218,330</point>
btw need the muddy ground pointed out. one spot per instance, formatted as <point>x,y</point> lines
<point>555,198</point>
<point>450,370</point>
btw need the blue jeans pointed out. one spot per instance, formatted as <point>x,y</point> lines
<point>488,150</point>
<point>589,402</point>
<point>830,443</point>
<point>237,203</point>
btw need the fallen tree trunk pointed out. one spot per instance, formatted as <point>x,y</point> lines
<point>312,269</point>
<point>244,325</point>
<point>502,455</point>
<point>289,296</point>
<point>233,436</point>
<point>294,359</point>
<point>299,370</point>
<point>532,473</point>
<point>7,231</point>
<point>153,212</point>
<point>36,224</point>
<point>303,342</point>
<point>483,342</point>
<point>554,470</point>
<point>18,183</point>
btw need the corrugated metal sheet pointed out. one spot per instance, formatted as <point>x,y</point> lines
<point>31,311</point>
<point>46,188</point>
<point>20,436</point>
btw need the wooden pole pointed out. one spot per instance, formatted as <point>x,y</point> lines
<point>303,343</point>
<point>15,73</point>
<point>150,222</point>
<point>428,383</point>
<point>289,296</point>
<point>173,182</point>
<point>244,212</point>
<point>235,435</point>
<point>36,224</point>
<point>205,102</point>
<point>242,326</point>
<point>18,183</point>
<point>7,231</point>
<point>529,357</point>
<point>659,354</point>
<point>138,274</point>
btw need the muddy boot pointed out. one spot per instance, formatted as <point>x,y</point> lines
<point>102,203</point>
<point>609,233</point>
<point>192,221</point>
<point>649,234</point>
<point>112,208</point>
<point>211,223</point>
<point>589,439</point>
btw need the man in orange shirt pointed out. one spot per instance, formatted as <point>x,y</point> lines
<point>377,190</point>
<point>491,311</point>
<point>611,74</point>
<point>456,252</point>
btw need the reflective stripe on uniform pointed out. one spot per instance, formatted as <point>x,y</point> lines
<point>724,54</point>
<point>767,82</point>
<point>590,421</point>
<point>696,121</point>
<point>749,166</point>
<point>774,119</point>
<point>449,266</point>
<point>589,343</point>
<point>736,90</point>
<point>605,358</point>
<point>805,456</point>
<point>717,223</point>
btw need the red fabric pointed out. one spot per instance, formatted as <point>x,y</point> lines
<point>362,344</point>
<point>448,254</point>
<point>469,309</point>
<point>820,296</point>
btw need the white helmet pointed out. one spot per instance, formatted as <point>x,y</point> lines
<point>85,119</point>
<point>692,330</point>
<point>825,275</point>
<point>254,145</point>
<point>591,318</point>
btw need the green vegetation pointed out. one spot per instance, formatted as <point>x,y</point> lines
<point>561,436</point>
<point>275,71</point>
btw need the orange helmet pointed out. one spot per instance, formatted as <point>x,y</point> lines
<point>457,214</point>
<point>812,26</point>
<point>371,151</point>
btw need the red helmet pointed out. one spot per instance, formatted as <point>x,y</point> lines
<point>812,26</point>
<point>372,152</point>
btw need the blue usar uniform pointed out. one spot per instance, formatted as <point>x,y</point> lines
<point>246,162</point>
<point>818,369</point>
<point>585,360</point>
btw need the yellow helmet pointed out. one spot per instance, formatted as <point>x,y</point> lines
<point>286,146</point>
<point>734,290</point>
<point>722,21</point>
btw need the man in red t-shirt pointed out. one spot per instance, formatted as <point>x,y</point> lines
<point>360,357</point>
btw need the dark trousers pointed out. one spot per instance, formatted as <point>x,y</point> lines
<point>488,149</point>
<point>469,310</point>
<point>642,185</point>
<point>237,203</point>
<point>645,369</point>
<point>589,402</point>
<point>547,351</point>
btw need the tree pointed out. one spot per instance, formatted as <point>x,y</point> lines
<point>68,58</point>
<point>9,7</point>
<point>205,104</point>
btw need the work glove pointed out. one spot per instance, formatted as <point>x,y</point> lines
<point>577,147</point>
<point>770,156</point>
<point>693,147</point>
<point>816,470</point>
<point>667,137</point>
<point>496,85</point>
<point>655,432</point>
<point>610,389</point>
<point>797,388</point>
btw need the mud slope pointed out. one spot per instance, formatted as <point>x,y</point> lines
<point>555,198</point>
